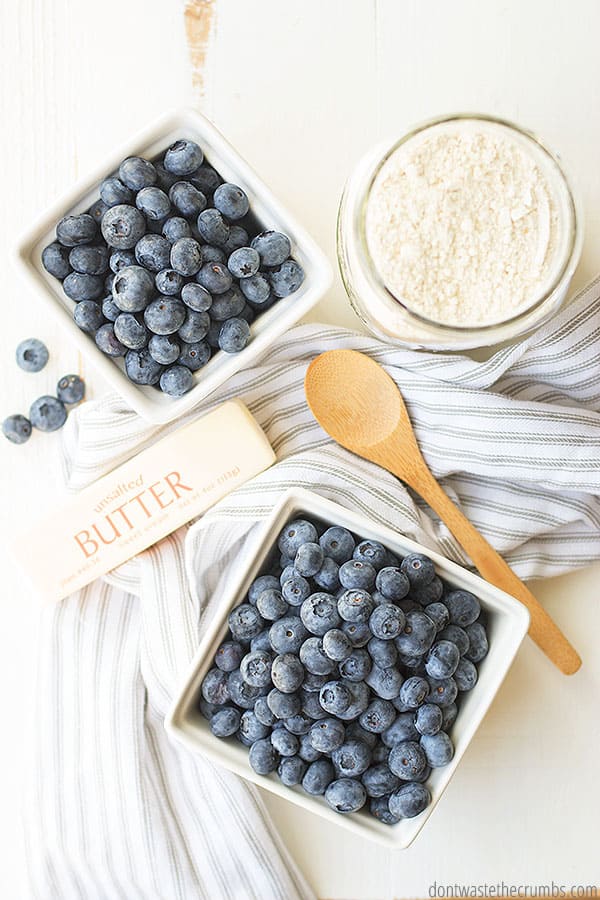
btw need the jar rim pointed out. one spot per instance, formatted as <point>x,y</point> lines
<point>571,252</point>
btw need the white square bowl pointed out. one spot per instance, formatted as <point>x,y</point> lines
<point>508,622</point>
<point>150,403</point>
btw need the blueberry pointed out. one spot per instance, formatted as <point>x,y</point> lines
<point>31,355</point>
<point>245,622</point>
<point>409,800</point>
<point>256,289</point>
<point>263,757</point>
<point>336,645</point>
<point>214,254</point>
<point>120,259</point>
<point>337,543</point>
<point>229,656</point>
<point>89,259</point>
<point>327,735</point>
<point>456,635</point>
<point>242,693</point>
<point>314,658</point>
<point>286,278</point>
<point>478,642</point>
<point>17,429</point>
<point>195,327</point>
<point>287,673</point>
<point>234,335</point>
<point>442,659</point>
<point>212,227</point>
<point>418,569</point>
<point>196,297</point>
<point>298,724</point>
<point>271,605</point>
<point>309,559</point>
<point>231,201</point>
<point>273,247</point>
<point>70,389</point>
<point>175,228</point>
<point>107,341</point>
<point>439,615</point>
<point>287,569</point>
<point>130,331</point>
<point>307,752</point>
<point>287,635</point>
<point>243,262</point>
<point>255,668</point>
<point>97,210</point>
<point>137,173</point>
<point>346,795</point>
<point>403,729</point>
<point>74,230</point>
<point>438,749</point>
<point>295,533</point>
<point>379,808</point>
<point>335,697</point>
<point>108,283</point>
<point>379,780</point>
<point>187,199</point>
<point>141,367</point>
<point>55,260</point>
<point>387,621</point>
<point>428,720</point>
<point>371,552</point>
<point>407,760</point>
<point>358,632</point>
<point>463,607</point>
<point>319,613</point>
<point>165,315</point>
<point>414,691</point>
<point>164,179</point>
<point>354,605</point>
<point>318,776</point>
<point>418,634</point>
<point>183,157</point>
<point>251,729</point>
<point>186,256</point>
<point>357,574</point>
<point>351,759</point>
<point>113,192</point>
<point>449,714</point>
<point>260,584</point>
<point>356,666</point>
<point>392,583</point>
<point>383,653</point>
<point>226,305</point>
<point>83,287</point>
<point>123,226</point>
<point>215,687</point>
<point>283,705</point>
<point>263,713</point>
<point>206,179</point>
<point>378,716</point>
<point>311,705</point>
<point>442,691</point>
<point>386,683</point>
<point>110,310</point>
<point>285,744</point>
<point>153,251</point>
<point>215,278</point>
<point>194,356</point>
<point>428,593</point>
<point>168,282</point>
<point>238,238</point>
<point>295,589</point>
<point>327,578</point>
<point>291,770</point>
<point>360,699</point>
<point>225,722</point>
<point>355,732</point>
<point>465,675</point>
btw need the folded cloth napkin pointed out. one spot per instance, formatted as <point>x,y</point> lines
<point>115,809</point>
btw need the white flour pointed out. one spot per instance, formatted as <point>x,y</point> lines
<point>463,223</point>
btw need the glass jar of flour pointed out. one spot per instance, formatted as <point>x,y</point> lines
<point>463,233</point>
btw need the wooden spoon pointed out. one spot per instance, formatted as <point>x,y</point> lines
<point>360,407</point>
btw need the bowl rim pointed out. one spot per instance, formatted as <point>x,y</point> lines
<point>292,502</point>
<point>319,273</point>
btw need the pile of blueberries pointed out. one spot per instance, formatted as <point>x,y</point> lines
<point>169,266</point>
<point>342,669</point>
<point>47,413</point>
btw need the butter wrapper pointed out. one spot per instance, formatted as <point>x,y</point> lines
<point>143,500</point>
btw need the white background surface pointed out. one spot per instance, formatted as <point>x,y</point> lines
<point>302,90</point>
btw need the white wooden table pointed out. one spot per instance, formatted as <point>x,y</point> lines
<point>302,89</point>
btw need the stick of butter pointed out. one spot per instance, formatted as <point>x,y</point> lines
<point>143,500</point>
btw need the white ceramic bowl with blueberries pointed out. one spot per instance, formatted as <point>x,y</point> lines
<point>347,669</point>
<point>172,266</point>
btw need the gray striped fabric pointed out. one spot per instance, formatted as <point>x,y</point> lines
<point>116,811</point>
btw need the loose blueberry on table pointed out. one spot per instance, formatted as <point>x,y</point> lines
<point>337,678</point>
<point>169,251</point>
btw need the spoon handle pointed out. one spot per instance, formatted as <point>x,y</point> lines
<point>542,629</point>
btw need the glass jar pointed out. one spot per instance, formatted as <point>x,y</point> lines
<point>390,317</point>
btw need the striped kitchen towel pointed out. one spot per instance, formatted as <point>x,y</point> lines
<point>116,810</point>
